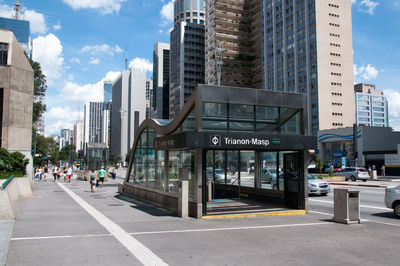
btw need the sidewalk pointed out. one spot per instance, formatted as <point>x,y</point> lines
<point>380,182</point>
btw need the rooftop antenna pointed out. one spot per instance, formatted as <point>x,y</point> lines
<point>219,49</point>
<point>16,8</point>
<point>126,55</point>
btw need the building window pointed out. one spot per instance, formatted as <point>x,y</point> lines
<point>3,53</point>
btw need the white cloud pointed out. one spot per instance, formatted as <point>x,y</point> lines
<point>63,113</point>
<point>75,93</point>
<point>101,49</point>
<point>365,72</point>
<point>167,12</point>
<point>141,63</point>
<point>353,1</point>
<point>57,26</point>
<point>55,128</point>
<point>94,61</point>
<point>36,20</point>
<point>75,60</point>
<point>47,50</point>
<point>367,6</point>
<point>105,6</point>
<point>393,97</point>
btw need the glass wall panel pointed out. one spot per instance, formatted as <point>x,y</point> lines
<point>196,4</point>
<point>247,168</point>
<point>210,165</point>
<point>215,117</point>
<point>269,168</point>
<point>241,117</point>
<point>160,173</point>
<point>139,160</point>
<point>202,5</point>
<point>267,119</point>
<point>219,164</point>
<point>188,2</point>
<point>232,160</point>
<point>290,121</point>
<point>188,123</point>
<point>188,162</point>
<point>151,159</point>
<point>174,162</point>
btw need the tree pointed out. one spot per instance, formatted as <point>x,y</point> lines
<point>47,148</point>
<point>114,159</point>
<point>68,153</point>
<point>318,163</point>
<point>39,89</point>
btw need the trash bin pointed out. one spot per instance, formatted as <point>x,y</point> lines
<point>346,205</point>
<point>374,175</point>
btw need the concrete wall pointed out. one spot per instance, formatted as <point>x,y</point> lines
<point>16,189</point>
<point>17,80</point>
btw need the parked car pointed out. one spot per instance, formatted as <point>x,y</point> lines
<point>317,186</point>
<point>274,184</point>
<point>219,176</point>
<point>267,174</point>
<point>355,173</point>
<point>392,199</point>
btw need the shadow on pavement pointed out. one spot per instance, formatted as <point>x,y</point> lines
<point>389,215</point>
<point>146,207</point>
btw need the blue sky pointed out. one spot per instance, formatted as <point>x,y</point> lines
<point>79,43</point>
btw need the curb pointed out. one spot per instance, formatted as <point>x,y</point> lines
<point>247,215</point>
<point>358,185</point>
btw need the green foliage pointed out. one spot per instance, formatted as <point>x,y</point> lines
<point>68,153</point>
<point>114,159</point>
<point>46,147</point>
<point>14,161</point>
<point>39,89</point>
<point>318,163</point>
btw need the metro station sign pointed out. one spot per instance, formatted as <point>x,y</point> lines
<point>217,140</point>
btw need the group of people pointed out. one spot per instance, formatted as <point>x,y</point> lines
<point>44,172</point>
<point>97,179</point>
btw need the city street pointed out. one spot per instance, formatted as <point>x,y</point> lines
<point>65,224</point>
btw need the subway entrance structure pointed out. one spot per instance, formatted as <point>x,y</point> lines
<point>229,143</point>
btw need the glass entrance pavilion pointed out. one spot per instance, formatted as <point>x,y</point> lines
<point>227,142</point>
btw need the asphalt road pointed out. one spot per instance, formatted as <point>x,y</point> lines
<point>372,205</point>
<point>66,224</point>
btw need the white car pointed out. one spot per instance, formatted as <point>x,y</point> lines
<point>392,199</point>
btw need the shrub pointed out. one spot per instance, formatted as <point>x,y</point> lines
<point>12,161</point>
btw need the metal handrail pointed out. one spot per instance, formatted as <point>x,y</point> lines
<point>4,185</point>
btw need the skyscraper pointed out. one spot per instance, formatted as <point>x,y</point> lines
<point>161,80</point>
<point>78,135</point>
<point>94,122</point>
<point>21,30</point>
<point>107,94</point>
<point>293,45</point>
<point>149,94</point>
<point>371,106</point>
<point>128,109</point>
<point>187,52</point>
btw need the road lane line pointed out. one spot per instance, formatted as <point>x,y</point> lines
<point>362,206</point>
<point>228,228</point>
<point>141,252</point>
<point>56,237</point>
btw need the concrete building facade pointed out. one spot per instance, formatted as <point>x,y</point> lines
<point>16,98</point>
<point>371,106</point>
<point>128,109</point>
<point>78,135</point>
<point>161,58</point>
<point>297,46</point>
<point>187,52</point>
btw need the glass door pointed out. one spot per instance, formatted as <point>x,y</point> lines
<point>292,170</point>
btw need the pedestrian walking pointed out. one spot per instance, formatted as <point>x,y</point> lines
<point>45,172</point>
<point>383,173</point>
<point>40,173</point>
<point>92,180</point>
<point>65,174</point>
<point>102,173</point>
<point>69,174</point>
<point>54,173</point>
<point>58,173</point>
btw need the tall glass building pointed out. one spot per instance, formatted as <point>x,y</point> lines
<point>187,52</point>
<point>107,94</point>
<point>21,30</point>
<point>160,101</point>
<point>371,106</point>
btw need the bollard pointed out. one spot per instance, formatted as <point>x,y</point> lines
<point>183,201</point>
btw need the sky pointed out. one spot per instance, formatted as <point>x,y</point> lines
<point>81,43</point>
